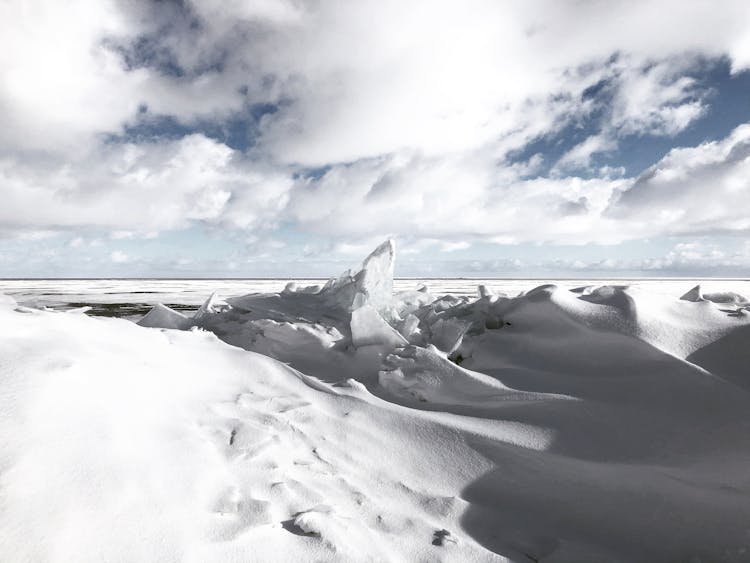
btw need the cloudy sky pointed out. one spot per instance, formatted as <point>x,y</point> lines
<point>286,138</point>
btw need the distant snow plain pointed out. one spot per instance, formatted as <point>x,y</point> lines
<point>60,293</point>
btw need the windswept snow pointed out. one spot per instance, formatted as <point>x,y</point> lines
<point>346,422</point>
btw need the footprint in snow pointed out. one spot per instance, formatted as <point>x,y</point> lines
<point>443,537</point>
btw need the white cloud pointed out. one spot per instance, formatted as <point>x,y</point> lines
<point>439,77</point>
<point>703,257</point>
<point>136,189</point>
<point>685,258</point>
<point>703,189</point>
<point>580,155</point>
<point>119,257</point>
<point>450,246</point>
<point>441,198</point>
<point>32,235</point>
<point>657,99</point>
<point>358,79</point>
<point>415,106</point>
<point>698,190</point>
<point>130,235</point>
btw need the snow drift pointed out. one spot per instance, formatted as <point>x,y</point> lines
<point>344,422</point>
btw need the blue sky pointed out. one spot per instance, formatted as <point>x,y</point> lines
<point>287,138</point>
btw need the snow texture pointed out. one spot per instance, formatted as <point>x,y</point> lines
<point>348,423</point>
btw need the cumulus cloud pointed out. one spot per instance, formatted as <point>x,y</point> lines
<point>410,114</point>
<point>445,76</point>
<point>703,189</point>
<point>57,86</point>
<point>580,155</point>
<point>444,198</point>
<point>657,99</point>
<point>141,187</point>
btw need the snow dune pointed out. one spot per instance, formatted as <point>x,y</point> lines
<point>344,422</point>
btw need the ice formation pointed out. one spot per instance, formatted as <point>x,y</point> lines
<point>162,316</point>
<point>369,328</point>
<point>348,423</point>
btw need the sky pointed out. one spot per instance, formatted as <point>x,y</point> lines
<point>285,138</point>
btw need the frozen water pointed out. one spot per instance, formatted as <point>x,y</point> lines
<point>573,422</point>
<point>133,297</point>
<point>369,328</point>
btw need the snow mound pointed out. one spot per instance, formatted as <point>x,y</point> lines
<point>125,444</point>
<point>307,327</point>
<point>695,295</point>
<point>162,316</point>
<point>424,375</point>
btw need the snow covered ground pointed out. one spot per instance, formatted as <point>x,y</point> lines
<point>348,422</point>
<point>133,297</point>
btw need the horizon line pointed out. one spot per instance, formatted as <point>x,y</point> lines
<point>280,278</point>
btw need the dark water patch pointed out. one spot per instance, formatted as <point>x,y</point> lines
<point>123,292</point>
